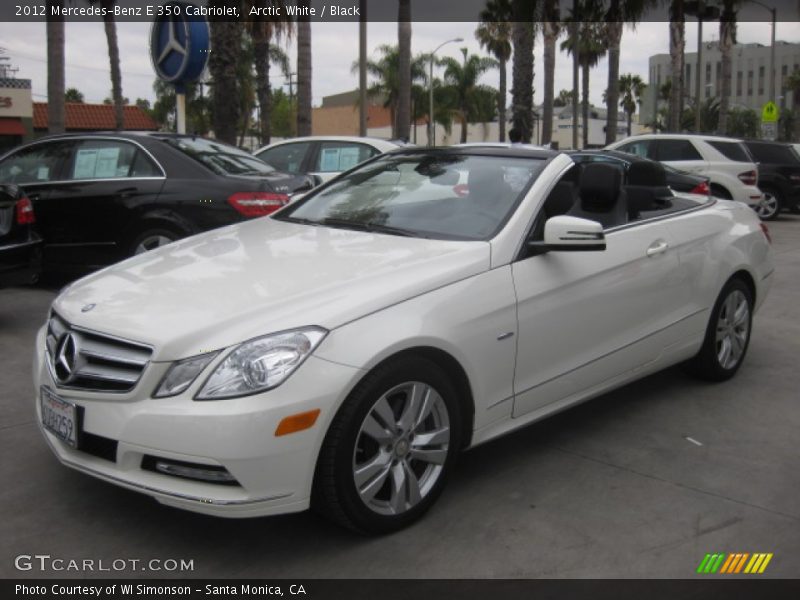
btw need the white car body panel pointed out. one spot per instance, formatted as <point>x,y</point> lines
<point>532,336</point>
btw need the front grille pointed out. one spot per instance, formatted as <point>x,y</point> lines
<point>86,360</point>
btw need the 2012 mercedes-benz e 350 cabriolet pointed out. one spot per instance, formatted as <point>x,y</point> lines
<point>342,352</point>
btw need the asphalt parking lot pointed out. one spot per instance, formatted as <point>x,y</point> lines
<point>612,488</point>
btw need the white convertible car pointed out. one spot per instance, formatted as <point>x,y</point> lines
<point>341,353</point>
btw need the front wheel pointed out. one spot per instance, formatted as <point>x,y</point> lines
<point>153,238</point>
<point>769,208</point>
<point>388,452</point>
<point>727,335</point>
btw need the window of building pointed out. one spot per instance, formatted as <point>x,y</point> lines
<point>750,83</point>
<point>761,81</point>
<point>738,83</point>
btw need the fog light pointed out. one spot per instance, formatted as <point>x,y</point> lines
<point>187,470</point>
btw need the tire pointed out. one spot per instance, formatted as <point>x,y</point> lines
<point>770,207</point>
<point>727,335</point>
<point>376,473</point>
<point>152,237</point>
<point>720,192</point>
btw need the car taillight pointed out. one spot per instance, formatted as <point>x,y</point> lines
<point>701,188</point>
<point>25,214</point>
<point>765,231</point>
<point>749,177</point>
<point>257,204</point>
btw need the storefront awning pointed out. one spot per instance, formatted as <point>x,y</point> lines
<point>11,126</point>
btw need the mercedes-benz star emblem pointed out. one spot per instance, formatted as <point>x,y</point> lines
<point>66,358</point>
<point>88,307</point>
<point>173,45</point>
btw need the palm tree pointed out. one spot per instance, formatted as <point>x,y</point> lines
<point>55,67</point>
<point>386,72</point>
<point>522,36</point>
<point>404,69</point>
<point>631,87</point>
<point>727,38</point>
<point>226,39</point>
<point>550,31</point>
<point>564,98</point>
<point>304,75</point>
<point>677,43</point>
<point>494,34</point>
<point>619,12</point>
<point>113,57</point>
<point>263,32</point>
<point>589,47</point>
<point>463,77</point>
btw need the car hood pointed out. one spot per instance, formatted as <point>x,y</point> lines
<point>231,284</point>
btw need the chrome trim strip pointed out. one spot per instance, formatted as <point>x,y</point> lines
<point>594,360</point>
<point>95,180</point>
<point>146,489</point>
<point>21,245</point>
<point>685,211</point>
<point>114,358</point>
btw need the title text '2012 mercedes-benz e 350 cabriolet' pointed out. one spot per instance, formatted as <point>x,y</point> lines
<point>342,352</point>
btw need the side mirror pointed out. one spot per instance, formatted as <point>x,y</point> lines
<point>570,234</point>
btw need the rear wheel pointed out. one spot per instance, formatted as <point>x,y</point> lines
<point>388,452</point>
<point>154,237</point>
<point>769,208</point>
<point>720,192</point>
<point>727,335</point>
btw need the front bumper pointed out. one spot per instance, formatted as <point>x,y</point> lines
<point>274,474</point>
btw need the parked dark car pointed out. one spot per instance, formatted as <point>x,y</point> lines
<point>20,245</point>
<point>106,196</point>
<point>778,175</point>
<point>678,181</point>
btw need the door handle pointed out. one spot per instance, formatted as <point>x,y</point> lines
<point>127,192</point>
<point>657,247</point>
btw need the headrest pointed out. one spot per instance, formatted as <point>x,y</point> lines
<point>647,173</point>
<point>561,199</point>
<point>600,185</point>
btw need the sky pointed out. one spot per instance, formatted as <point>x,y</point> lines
<point>334,48</point>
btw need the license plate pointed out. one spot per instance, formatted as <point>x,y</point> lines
<point>59,417</point>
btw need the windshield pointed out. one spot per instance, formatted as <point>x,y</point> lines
<point>220,158</point>
<point>434,195</point>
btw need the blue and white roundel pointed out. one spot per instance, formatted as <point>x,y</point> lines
<point>179,44</point>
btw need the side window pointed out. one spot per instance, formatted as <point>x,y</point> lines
<point>143,166</point>
<point>676,150</point>
<point>637,148</point>
<point>335,157</point>
<point>731,150</point>
<point>38,163</point>
<point>286,157</point>
<point>101,159</point>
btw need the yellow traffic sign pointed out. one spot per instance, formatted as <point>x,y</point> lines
<point>769,113</point>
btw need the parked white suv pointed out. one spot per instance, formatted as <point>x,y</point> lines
<point>725,161</point>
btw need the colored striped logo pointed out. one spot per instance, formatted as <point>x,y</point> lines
<point>737,562</point>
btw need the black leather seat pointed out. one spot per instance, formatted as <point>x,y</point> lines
<point>601,197</point>
<point>646,185</point>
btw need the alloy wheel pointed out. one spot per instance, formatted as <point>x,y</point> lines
<point>152,242</point>
<point>768,207</point>
<point>733,328</point>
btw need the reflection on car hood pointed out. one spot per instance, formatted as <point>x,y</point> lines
<point>238,282</point>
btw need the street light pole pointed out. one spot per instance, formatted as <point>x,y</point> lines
<point>698,68</point>
<point>431,130</point>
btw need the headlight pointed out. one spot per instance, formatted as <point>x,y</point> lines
<point>261,364</point>
<point>181,374</point>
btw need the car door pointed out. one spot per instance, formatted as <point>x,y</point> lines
<point>89,208</point>
<point>332,158</point>
<point>589,319</point>
<point>680,154</point>
<point>289,158</point>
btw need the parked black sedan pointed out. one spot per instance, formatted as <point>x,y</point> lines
<point>20,245</point>
<point>778,176</point>
<point>105,196</point>
<point>678,181</point>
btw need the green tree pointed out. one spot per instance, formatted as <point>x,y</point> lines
<point>630,90</point>
<point>55,67</point>
<point>304,75</point>
<point>522,37</point>
<point>677,43</point>
<point>727,38</point>
<point>282,114</point>
<point>198,107</point>
<point>386,73</point>
<point>494,34</point>
<point>743,123</point>
<point>73,95</point>
<point>564,98</point>
<point>223,64</point>
<point>404,67</point>
<point>589,46</point>
<point>463,78</point>
<point>619,13</point>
